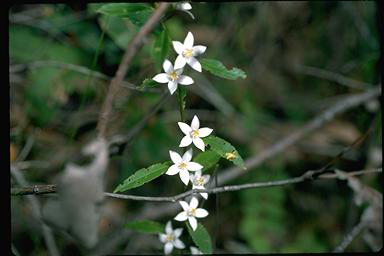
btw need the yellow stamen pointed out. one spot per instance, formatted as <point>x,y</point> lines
<point>173,76</point>
<point>200,181</point>
<point>230,155</point>
<point>169,237</point>
<point>195,133</point>
<point>192,212</point>
<point>187,53</point>
<point>183,166</point>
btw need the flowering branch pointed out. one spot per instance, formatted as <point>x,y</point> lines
<point>131,51</point>
<point>309,175</point>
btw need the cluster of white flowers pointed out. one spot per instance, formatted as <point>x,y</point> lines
<point>183,165</point>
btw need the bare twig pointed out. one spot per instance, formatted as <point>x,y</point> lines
<point>47,233</point>
<point>81,70</point>
<point>309,175</point>
<point>328,75</point>
<point>131,51</point>
<point>314,124</point>
<point>350,236</point>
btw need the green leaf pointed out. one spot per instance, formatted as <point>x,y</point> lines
<point>161,48</point>
<point>201,238</point>
<point>207,159</point>
<point>218,69</point>
<point>146,226</point>
<point>224,149</point>
<point>137,13</point>
<point>143,176</point>
<point>148,83</point>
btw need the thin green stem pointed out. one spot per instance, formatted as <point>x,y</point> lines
<point>181,108</point>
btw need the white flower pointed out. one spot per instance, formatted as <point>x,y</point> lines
<point>191,212</point>
<point>194,134</point>
<point>185,7</point>
<point>187,53</point>
<point>182,165</point>
<point>194,250</point>
<point>172,77</point>
<point>171,238</point>
<point>198,182</point>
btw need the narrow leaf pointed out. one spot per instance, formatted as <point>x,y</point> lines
<point>181,93</point>
<point>143,176</point>
<point>225,150</point>
<point>161,48</point>
<point>146,226</point>
<point>218,69</point>
<point>201,238</point>
<point>207,159</point>
<point>148,83</point>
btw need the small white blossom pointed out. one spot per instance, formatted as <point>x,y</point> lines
<point>195,251</point>
<point>171,238</point>
<point>185,7</point>
<point>172,77</point>
<point>187,53</point>
<point>194,134</point>
<point>191,212</point>
<point>198,182</point>
<point>182,165</point>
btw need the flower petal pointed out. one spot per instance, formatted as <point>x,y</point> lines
<point>161,78</point>
<point>188,155</point>
<point>195,124</point>
<point>184,205</point>
<point>185,141</point>
<point>185,80</point>
<point>181,216</point>
<point>199,143</point>
<point>168,247</point>
<point>180,62</point>
<point>177,232</point>
<point>168,227</point>
<point>179,48</point>
<point>186,129</point>
<point>185,6</point>
<point>193,222</point>
<point>188,41</point>
<point>206,178</point>
<point>179,71</point>
<point>184,176</point>
<point>176,158</point>
<point>163,238</point>
<point>194,202</point>
<point>201,213</point>
<point>204,195</point>
<point>194,63</point>
<point>192,166</point>
<point>172,170</point>
<point>204,132</point>
<point>179,244</point>
<point>198,49</point>
<point>167,66</point>
<point>172,86</point>
<point>198,173</point>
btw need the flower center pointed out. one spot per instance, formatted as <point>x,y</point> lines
<point>183,166</point>
<point>187,53</point>
<point>173,76</point>
<point>200,181</point>
<point>191,212</point>
<point>195,133</point>
<point>169,237</point>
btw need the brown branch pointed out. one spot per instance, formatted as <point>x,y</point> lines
<point>131,51</point>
